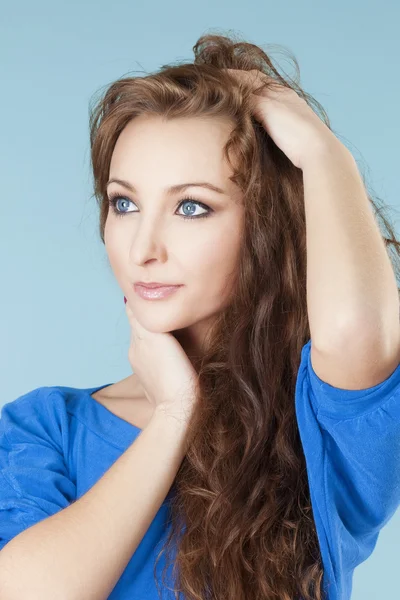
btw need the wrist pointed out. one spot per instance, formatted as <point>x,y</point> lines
<point>324,152</point>
<point>166,414</point>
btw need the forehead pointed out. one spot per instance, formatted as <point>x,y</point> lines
<point>170,149</point>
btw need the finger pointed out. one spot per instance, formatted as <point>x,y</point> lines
<point>137,329</point>
<point>131,318</point>
<point>129,312</point>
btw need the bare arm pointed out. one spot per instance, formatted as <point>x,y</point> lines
<point>89,544</point>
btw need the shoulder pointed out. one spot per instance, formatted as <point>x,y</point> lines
<point>40,412</point>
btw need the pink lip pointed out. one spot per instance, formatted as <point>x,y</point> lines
<point>154,284</point>
<point>155,293</point>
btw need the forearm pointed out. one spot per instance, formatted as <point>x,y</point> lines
<point>87,545</point>
<point>351,285</point>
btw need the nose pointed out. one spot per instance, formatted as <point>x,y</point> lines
<point>148,243</point>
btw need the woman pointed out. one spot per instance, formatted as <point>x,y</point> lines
<point>266,383</point>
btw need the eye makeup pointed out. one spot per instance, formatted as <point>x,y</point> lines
<point>114,197</point>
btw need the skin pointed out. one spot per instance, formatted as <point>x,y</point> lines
<point>152,241</point>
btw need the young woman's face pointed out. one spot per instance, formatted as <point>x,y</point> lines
<point>150,240</point>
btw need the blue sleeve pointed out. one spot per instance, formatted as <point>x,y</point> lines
<point>360,430</point>
<point>34,481</point>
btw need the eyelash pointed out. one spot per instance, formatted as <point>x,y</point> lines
<point>113,198</point>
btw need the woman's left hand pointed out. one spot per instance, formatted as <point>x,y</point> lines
<point>292,124</point>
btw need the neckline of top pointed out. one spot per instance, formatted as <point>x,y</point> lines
<point>106,419</point>
<point>113,415</point>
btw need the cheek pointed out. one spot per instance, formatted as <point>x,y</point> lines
<point>114,245</point>
<point>215,263</point>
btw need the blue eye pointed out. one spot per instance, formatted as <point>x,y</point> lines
<point>194,203</point>
<point>114,198</point>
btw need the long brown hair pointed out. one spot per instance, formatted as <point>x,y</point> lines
<point>242,525</point>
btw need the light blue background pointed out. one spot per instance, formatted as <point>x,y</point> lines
<point>63,319</point>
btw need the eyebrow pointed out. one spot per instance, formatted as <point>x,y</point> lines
<point>174,188</point>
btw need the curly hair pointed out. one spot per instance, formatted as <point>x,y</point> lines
<point>242,525</point>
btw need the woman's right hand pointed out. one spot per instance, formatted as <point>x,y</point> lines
<point>164,370</point>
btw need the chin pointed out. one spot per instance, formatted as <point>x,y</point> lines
<point>162,323</point>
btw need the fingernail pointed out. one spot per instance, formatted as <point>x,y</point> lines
<point>125,300</point>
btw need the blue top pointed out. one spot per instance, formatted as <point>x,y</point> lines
<point>56,442</point>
